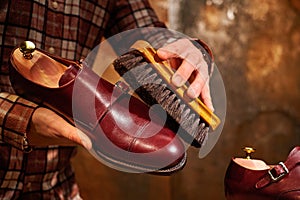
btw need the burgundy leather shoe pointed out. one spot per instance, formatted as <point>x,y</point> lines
<point>251,179</point>
<point>122,133</point>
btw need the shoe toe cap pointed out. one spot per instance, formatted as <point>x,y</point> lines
<point>163,150</point>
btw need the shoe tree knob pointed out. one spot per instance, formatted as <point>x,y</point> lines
<point>249,151</point>
<point>27,48</point>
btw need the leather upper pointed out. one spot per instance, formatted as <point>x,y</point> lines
<point>242,183</point>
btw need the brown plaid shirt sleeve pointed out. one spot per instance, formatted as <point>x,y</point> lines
<point>15,113</point>
<point>69,29</point>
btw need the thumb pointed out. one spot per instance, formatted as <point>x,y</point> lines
<point>80,137</point>
<point>206,97</point>
<point>165,54</point>
<point>85,140</point>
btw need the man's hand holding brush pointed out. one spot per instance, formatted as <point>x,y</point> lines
<point>184,56</point>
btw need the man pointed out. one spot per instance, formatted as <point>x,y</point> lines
<point>69,29</point>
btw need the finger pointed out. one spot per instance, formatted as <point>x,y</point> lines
<point>165,54</point>
<point>175,62</point>
<point>200,85</point>
<point>206,97</point>
<point>196,86</point>
<point>85,140</point>
<point>72,133</point>
<point>182,74</point>
<point>199,81</point>
<point>62,129</point>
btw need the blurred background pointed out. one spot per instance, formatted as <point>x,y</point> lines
<point>256,45</point>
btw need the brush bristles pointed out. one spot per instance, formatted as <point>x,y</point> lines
<point>153,89</point>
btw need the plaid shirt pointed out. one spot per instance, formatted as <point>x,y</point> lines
<point>69,29</point>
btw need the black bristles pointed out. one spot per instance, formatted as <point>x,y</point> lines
<point>174,107</point>
<point>153,89</point>
<point>195,124</point>
<point>202,134</point>
<point>188,122</point>
<point>181,108</point>
<point>185,115</point>
<point>143,74</point>
<point>159,91</point>
<point>128,61</point>
<point>168,101</point>
<point>162,96</point>
<point>150,79</point>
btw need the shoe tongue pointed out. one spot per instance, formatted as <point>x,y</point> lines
<point>69,75</point>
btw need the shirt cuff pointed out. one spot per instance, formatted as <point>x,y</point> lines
<point>206,52</point>
<point>15,116</point>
